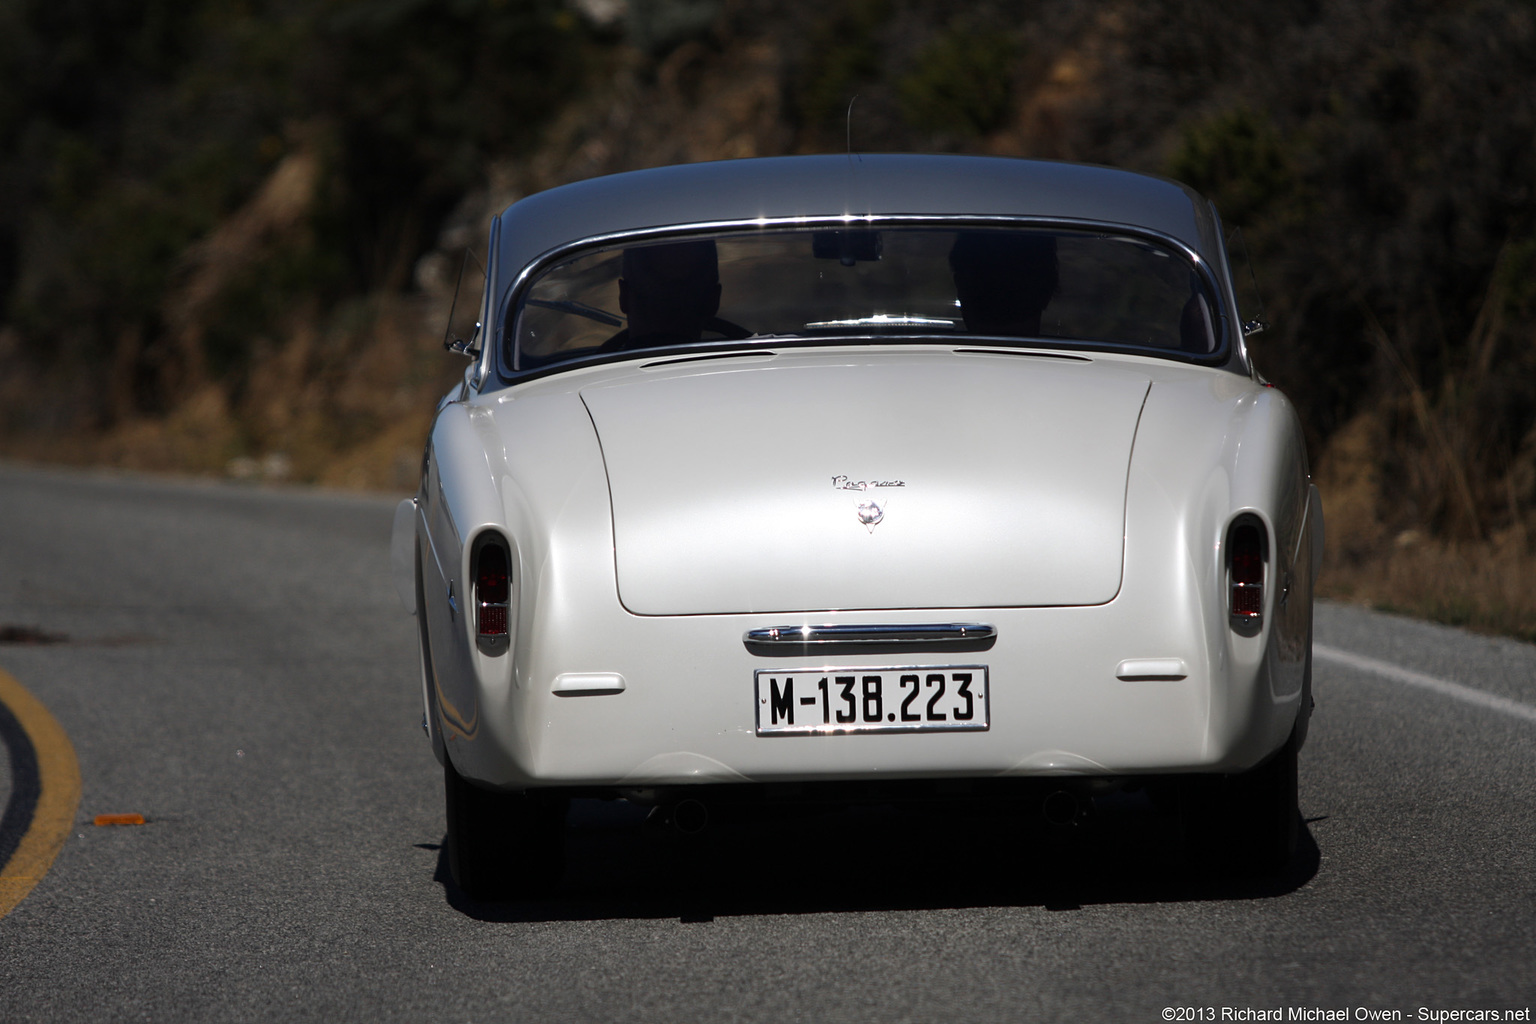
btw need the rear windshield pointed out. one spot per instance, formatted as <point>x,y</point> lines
<point>978,285</point>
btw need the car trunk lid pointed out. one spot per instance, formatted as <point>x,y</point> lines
<point>868,481</point>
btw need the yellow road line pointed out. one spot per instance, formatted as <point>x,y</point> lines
<point>58,797</point>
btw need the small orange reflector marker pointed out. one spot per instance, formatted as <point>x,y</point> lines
<point>119,819</point>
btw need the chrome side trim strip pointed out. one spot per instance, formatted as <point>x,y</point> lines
<point>774,641</point>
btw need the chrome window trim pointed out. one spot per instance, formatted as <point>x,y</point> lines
<point>490,329</point>
<point>507,305</point>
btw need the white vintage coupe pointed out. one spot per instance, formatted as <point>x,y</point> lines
<point>866,475</point>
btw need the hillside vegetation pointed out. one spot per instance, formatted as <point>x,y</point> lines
<point>229,231</point>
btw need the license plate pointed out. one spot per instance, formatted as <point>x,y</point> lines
<point>831,701</point>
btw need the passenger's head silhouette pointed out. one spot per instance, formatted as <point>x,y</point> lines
<point>669,291</point>
<point>1004,280</point>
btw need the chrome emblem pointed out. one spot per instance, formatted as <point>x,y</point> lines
<point>870,514</point>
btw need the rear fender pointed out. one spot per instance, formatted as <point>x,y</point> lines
<point>1208,450</point>
<point>462,500</point>
<point>1271,480</point>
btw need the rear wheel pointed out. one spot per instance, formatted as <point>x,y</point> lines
<point>1266,812</point>
<point>502,845</point>
<point>1248,823</point>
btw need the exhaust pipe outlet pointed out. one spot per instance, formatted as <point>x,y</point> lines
<point>1060,808</point>
<point>690,817</point>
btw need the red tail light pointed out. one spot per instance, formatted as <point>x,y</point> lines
<point>1245,573</point>
<point>493,620</point>
<point>493,589</point>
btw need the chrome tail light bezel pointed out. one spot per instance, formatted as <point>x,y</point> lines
<point>1246,560</point>
<point>490,567</point>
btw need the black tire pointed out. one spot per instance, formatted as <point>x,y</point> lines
<point>1248,824</point>
<point>502,845</point>
<point>1266,813</point>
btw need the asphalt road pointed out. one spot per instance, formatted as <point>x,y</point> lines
<point>237,669</point>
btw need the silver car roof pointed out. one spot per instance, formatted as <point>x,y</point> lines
<point>855,186</point>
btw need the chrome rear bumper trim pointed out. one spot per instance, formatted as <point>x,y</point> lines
<point>774,641</point>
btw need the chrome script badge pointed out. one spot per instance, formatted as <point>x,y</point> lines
<point>844,483</point>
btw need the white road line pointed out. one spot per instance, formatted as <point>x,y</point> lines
<point>1441,686</point>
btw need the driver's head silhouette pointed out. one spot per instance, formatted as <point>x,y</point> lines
<point>1004,280</point>
<point>669,291</point>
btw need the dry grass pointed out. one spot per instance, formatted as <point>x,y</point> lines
<point>1487,585</point>
<point>348,405</point>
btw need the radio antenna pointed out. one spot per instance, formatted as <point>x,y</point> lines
<point>850,125</point>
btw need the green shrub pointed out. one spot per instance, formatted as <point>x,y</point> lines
<point>1238,160</point>
<point>962,84</point>
<point>843,55</point>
